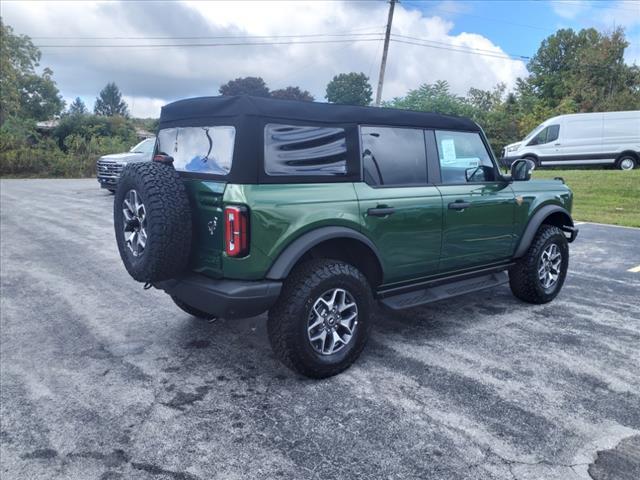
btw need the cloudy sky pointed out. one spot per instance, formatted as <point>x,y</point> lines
<point>154,50</point>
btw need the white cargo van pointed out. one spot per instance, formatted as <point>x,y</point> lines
<point>609,138</point>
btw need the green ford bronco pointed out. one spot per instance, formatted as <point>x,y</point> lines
<point>313,212</point>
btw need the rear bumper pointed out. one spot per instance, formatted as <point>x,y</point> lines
<point>224,298</point>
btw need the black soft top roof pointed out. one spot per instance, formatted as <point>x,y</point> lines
<point>214,109</point>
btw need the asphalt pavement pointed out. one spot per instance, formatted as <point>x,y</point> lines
<point>100,379</point>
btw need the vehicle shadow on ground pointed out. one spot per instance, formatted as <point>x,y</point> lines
<point>242,346</point>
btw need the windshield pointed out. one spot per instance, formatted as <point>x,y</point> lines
<point>533,132</point>
<point>199,149</point>
<point>145,146</point>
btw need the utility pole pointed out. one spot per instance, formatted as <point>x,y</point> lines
<point>383,64</point>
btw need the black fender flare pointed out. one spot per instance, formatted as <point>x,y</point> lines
<point>295,250</point>
<point>532,227</point>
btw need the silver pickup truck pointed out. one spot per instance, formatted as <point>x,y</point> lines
<point>109,167</point>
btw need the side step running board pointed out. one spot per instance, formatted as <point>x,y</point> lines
<point>440,292</point>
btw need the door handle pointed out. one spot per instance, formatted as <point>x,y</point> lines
<point>557,144</point>
<point>381,211</point>
<point>459,205</point>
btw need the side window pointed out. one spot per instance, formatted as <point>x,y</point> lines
<point>546,135</point>
<point>540,138</point>
<point>463,158</point>
<point>304,150</point>
<point>553,133</point>
<point>393,156</point>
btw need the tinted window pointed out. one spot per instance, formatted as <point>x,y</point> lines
<point>463,158</point>
<point>393,156</point>
<point>199,149</point>
<point>302,150</point>
<point>546,135</point>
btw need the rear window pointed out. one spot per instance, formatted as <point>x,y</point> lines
<point>199,149</point>
<point>304,150</point>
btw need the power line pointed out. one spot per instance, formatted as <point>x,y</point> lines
<point>378,38</point>
<point>227,44</point>
<point>479,50</point>
<point>467,51</point>
<point>214,37</point>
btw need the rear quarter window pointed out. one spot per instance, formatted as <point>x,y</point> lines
<point>304,150</point>
<point>199,149</point>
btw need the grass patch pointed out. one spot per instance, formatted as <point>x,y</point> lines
<point>602,196</point>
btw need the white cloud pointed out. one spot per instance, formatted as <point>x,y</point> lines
<point>144,107</point>
<point>569,9</point>
<point>150,77</point>
<point>601,15</point>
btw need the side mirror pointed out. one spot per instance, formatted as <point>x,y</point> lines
<point>521,170</point>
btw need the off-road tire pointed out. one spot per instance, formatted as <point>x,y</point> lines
<point>287,322</point>
<point>523,276</point>
<point>194,312</point>
<point>168,220</point>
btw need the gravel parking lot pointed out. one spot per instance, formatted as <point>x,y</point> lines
<point>101,379</point>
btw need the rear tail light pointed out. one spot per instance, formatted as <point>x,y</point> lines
<point>236,228</point>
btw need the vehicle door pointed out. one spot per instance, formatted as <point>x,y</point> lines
<point>546,144</point>
<point>400,208</point>
<point>478,206</point>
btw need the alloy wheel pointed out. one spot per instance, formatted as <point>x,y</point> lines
<point>135,223</point>
<point>332,321</point>
<point>549,266</point>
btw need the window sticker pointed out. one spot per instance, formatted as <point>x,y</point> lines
<point>448,150</point>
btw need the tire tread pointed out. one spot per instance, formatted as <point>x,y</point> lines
<point>284,316</point>
<point>523,278</point>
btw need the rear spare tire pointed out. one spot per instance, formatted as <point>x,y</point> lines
<point>152,221</point>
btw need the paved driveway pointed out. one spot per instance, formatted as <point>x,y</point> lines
<point>100,379</point>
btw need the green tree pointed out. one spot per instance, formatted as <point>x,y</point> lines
<point>90,126</point>
<point>24,92</point>
<point>350,89</point>
<point>109,103</point>
<point>292,93</point>
<point>435,97</point>
<point>585,69</point>
<point>245,86</point>
<point>77,107</point>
